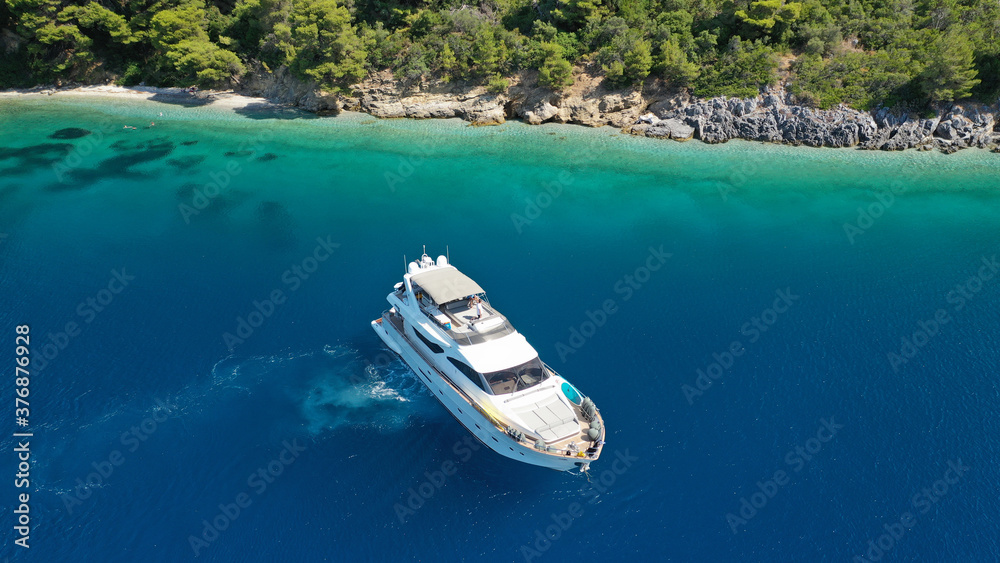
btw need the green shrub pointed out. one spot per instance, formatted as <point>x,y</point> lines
<point>131,76</point>
<point>497,84</point>
<point>861,80</point>
<point>674,66</point>
<point>556,72</point>
<point>741,72</point>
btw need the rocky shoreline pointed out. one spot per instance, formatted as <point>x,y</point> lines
<point>771,117</point>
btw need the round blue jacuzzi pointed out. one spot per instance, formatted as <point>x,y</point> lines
<point>571,393</point>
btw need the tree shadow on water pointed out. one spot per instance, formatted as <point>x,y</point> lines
<point>182,99</point>
<point>264,110</point>
<point>205,204</point>
<point>120,166</point>
<point>70,133</point>
<point>275,225</point>
<point>27,160</point>
<point>186,162</point>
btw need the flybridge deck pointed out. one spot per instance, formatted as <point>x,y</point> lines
<point>461,319</point>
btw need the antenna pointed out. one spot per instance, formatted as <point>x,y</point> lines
<point>447,252</point>
<point>425,249</point>
<point>404,263</point>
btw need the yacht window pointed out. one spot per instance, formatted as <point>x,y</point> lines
<point>468,371</point>
<point>517,378</point>
<point>430,345</point>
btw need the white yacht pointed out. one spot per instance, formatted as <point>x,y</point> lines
<point>484,372</point>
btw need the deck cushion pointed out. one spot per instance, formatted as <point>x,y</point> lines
<point>550,418</point>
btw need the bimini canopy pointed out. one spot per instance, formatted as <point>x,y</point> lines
<point>446,284</point>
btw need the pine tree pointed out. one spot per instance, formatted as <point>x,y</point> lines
<point>327,46</point>
<point>638,61</point>
<point>674,64</point>
<point>556,72</point>
<point>949,74</point>
<point>447,62</point>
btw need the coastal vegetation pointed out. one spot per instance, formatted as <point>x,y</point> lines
<point>864,53</point>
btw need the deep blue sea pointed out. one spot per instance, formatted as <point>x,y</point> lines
<point>795,350</point>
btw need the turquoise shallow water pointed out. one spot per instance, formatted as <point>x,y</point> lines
<point>821,264</point>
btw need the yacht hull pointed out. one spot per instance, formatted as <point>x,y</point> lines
<point>452,400</point>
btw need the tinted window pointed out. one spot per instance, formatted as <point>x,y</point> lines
<point>430,345</point>
<point>517,378</point>
<point>468,371</point>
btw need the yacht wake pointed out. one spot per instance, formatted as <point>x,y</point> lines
<point>314,392</point>
<point>353,390</point>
